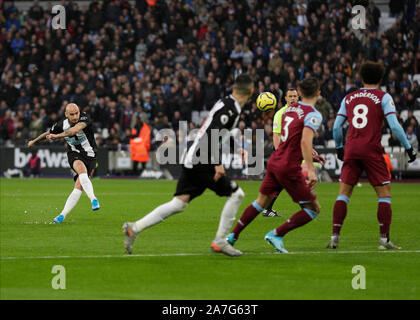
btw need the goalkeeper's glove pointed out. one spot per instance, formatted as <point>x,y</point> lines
<point>411,154</point>
<point>340,153</point>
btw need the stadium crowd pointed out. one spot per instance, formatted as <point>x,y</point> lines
<point>164,61</point>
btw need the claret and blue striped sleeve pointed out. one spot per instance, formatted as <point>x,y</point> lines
<point>313,120</point>
<point>388,107</point>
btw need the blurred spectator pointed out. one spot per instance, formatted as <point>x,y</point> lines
<point>328,134</point>
<point>411,120</point>
<point>21,134</point>
<point>35,126</point>
<point>375,13</point>
<point>319,139</point>
<point>7,126</point>
<point>33,167</point>
<point>17,44</point>
<point>36,12</point>
<point>323,106</point>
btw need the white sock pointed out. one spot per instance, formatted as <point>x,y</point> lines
<point>159,214</point>
<point>228,215</point>
<point>71,201</point>
<point>87,185</point>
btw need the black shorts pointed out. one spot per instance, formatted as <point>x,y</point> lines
<point>90,163</point>
<point>194,182</point>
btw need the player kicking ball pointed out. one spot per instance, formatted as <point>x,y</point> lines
<point>299,123</point>
<point>196,177</point>
<point>77,131</point>
<point>365,110</point>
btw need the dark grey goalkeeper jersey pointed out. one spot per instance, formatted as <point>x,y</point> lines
<point>223,117</point>
<point>83,142</point>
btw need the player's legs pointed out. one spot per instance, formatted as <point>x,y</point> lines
<point>160,213</point>
<point>186,190</point>
<point>378,176</point>
<point>384,212</point>
<point>269,212</point>
<point>340,212</point>
<point>80,168</point>
<point>263,200</point>
<point>384,215</point>
<point>71,202</point>
<point>195,182</point>
<point>227,217</point>
<point>297,188</point>
<point>350,174</point>
<point>309,211</point>
<point>268,189</point>
<point>226,187</point>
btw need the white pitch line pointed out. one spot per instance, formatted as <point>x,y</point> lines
<point>205,254</point>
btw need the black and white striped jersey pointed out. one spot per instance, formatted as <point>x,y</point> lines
<point>223,117</point>
<point>83,142</point>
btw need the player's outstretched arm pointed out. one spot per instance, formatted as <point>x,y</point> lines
<point>398,131</point>
<point>39,138</point>
<point>68,132</point>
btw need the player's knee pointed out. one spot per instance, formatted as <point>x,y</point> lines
<point>178,205</point>
<point>78,186</point>
<point>238,195</point>
<point>383,192</point>
<point>313,208</point>
<point>312,213</point>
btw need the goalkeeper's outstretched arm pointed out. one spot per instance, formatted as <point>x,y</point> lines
<point>39,138</point>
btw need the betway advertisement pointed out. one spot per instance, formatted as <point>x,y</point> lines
<point>50,159</point>
<point>54,163</point>
<point>53,160</point>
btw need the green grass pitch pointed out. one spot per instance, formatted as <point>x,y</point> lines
<point>173,260</point>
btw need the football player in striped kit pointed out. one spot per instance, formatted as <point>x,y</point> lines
<point>77,131</point>
<point>198,175</point>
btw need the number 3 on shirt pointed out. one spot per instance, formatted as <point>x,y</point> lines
<point>285,131</point>
<point>360,112</point>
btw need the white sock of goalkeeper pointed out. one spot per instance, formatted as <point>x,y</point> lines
<point>228,215</point>
<point>87,185</point>
<point>159,214</point>
<point>72,200</point>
